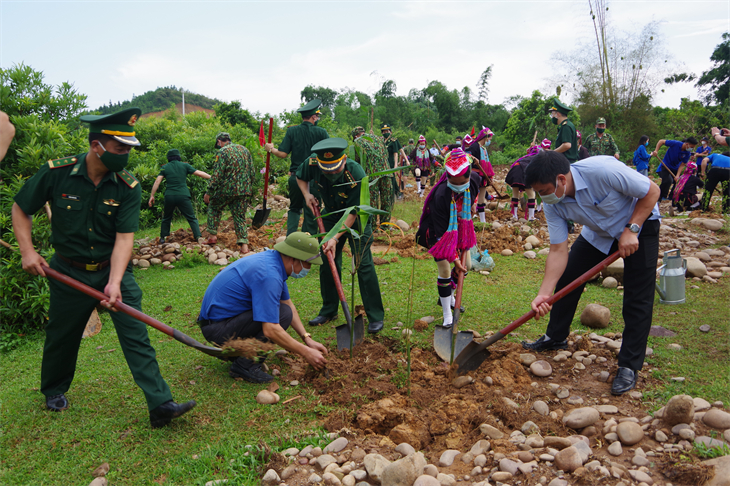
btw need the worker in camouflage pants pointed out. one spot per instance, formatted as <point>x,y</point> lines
<point>231,185</point>
<point>370,152</point>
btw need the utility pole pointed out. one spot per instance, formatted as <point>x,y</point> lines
<point>183,103</point>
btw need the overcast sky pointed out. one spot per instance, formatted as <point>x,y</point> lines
<point>264,53</point>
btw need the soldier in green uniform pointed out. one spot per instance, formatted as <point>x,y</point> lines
<point>96,206</point>
<point>395,152</point>
<point>601,143</point>
<point>567,140</point>
<point>298,142</point>
<point>177,194</point>
<point>326,170</point>
<point>370,152</point>
<point>231,184</point>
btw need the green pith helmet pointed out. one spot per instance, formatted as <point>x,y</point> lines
<point>173,153</point>
<point>310,108</point>
<point>601,120</point>
<point>560,107</point>
<point>330,153</point>
<point>119,126</point>
<point>301,246</point>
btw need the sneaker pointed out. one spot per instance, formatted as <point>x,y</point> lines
<point>542,345</point>
<point>162,240</point>
<point>249,371</point>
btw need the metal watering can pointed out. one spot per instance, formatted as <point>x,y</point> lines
<point>671,279</point>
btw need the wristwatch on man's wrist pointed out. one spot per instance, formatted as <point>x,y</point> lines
<point>633,227</point>
<point>306,335</point>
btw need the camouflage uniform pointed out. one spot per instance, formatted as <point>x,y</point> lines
<point>393,146</point>
<point>370,152</point>
<point>231,185</point>
<point>605,145</point>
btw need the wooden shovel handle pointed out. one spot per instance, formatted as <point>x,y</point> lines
<point>330,257</point>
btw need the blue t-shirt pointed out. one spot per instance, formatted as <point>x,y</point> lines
<point>675,156</point>
<point>719,160</point>
<point>706,150</point>
<point>641,158</point>
<point>259,278</point>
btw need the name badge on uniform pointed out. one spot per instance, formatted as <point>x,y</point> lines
<point>111,202</point>
<point>71,197</point>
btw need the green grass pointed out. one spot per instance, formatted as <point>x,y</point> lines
<point>108,420</point>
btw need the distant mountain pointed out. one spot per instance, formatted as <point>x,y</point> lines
<point>159,100</point>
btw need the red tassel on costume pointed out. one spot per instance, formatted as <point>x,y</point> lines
<point>445,248</point>
<point>467,236</point>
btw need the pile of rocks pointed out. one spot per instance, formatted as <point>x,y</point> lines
<point>166,254</point>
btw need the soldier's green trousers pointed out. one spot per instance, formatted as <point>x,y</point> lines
<point>382,197</point>
<point>68,313</point>
<point>296,206</point>
<point>185,205</point>
<point>237,205</point>
<point>366,276</point>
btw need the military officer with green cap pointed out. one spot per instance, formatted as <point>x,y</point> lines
<point>567,140</point>
<point>601,143</point>
<point>177,194</point>
<point>395,153</point>
<point>298,142</point>
<point>95,214</point>
<point>328,170</point>
<point>231,185</point>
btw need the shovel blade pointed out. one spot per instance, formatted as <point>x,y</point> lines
<point>343,334</point>
<point>442,338</point>
<point>259,219</point>
<point>470,358</point>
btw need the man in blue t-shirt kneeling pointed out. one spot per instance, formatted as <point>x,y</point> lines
<point>228,309</point>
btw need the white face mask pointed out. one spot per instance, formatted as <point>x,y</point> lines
<point>421,147</point>
<point>553,198</point>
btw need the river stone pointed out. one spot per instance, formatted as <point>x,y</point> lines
<point>615,270</point>
<point>266,397</point>
<point>595,316</point>
<point>533,240</point>
<point>508,465</point>
<point>447,457</point>
<point>717,419</point>
<point>405,449</point>
<point>660,436</point>
<point>143,264</point>
<point>461,381</point>
<point>541,368</point>
<point>701,404</point>
<point>527,359</point>
<point>581,417</point>
<point>679,410</point>
<point>480,460</point>
<point>615,449</point>
<point>722,471</point>
<point>431,470</point>
<point>695,268</point>
<point>336,445</point>
<point>530,427</point>
<point>501,476</point>
<point>101,470</point>
<point>568,460</point>
<point>325,460</point>
<point>314,478</point>
<point>426,480</point>
<point>562,392</point>
<point>611,409</point>
<point>405,227</point>
<point>508,252</point>
<point>491,432</point>
<point>712,224</point>
<point>629,433</point>
<point>557,442</point>
<point>446,479</point>
<point>100,481</point>
<point>687,434</point>
<point>331,479</point>
<point>270,478</point>
<point>404,472</point>
<point>480,447</point>
<point>659,331</point>
<point>374,465</point>
<point>530,255</point>
<point>541,407</point>
<point>558,482</point>
<point>609,283</point>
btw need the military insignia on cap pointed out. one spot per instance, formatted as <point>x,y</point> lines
<point>328,155</point>
<point>132,121</point>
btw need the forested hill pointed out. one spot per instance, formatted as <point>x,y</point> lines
<point>159,100</point>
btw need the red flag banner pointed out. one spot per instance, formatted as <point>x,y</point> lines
<point>261,134</point>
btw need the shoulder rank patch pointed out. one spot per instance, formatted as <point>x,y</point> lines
<point>350,179</point>
<point>66,161</point>
<point>128,178</point>
<point>313,161</point>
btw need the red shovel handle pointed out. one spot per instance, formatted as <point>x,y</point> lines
<point>268,159</point>
<point>330,257</point>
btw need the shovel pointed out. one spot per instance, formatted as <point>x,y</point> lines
<point>348,335</point>
<point>475,354</point>
<point>174,333</point>
<point>447,341</point>
<point>259,219</point>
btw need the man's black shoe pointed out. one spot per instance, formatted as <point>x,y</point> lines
<point>375,327</point>
<point>625,380</point>
<point>249,371</point>
<point>319,320</point>
<point>162,415</point>
<point>57,403</point>
<point>542,345</point>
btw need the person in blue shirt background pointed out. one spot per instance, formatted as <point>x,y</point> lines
<point>703,149</point>
<point>618,210</point>
<point>641,156</point>
<point>676,157</point>
<point>718,174</point>
<point>228,309</point>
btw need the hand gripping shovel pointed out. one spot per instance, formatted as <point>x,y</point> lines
<point>474,354</point>
<point>447,341</point>
<point>348,335</point>
<point>174,333</point>
<point>259,219</point>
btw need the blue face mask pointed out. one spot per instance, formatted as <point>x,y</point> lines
<point>460,188</point>
<point>553,198</point>
<point>646,144</point>
<point>303,273</point>
<point>489,142</point>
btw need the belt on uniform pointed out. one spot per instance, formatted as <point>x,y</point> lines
<point>723,168</point>
<point>89,267</point>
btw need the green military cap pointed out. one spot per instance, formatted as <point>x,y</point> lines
<point>385,127</point>
<point>173,153</point>
<point>330,153</point>
<point>222,136</point>
<point>310,108</point>
<point>601,120</point>
<point>560,107</point>
<point>119,125</point>
<point>356,131</point>
<point>301,246</point>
